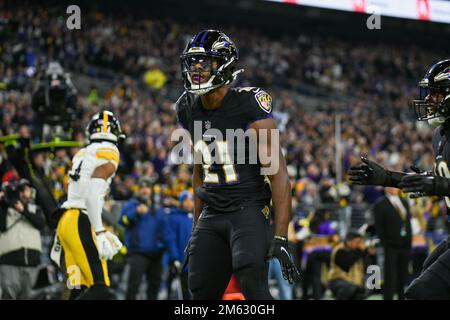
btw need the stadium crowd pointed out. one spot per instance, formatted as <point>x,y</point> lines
<point>138,59</point>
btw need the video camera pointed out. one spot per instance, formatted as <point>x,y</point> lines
<point>54,101</point>
<point>10,194</point>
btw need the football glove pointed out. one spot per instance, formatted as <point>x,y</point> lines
<point>115,242</point>
<point>368,173</point>
<point>425,185</point>
<point>280,250</point>
<point>107,244</point>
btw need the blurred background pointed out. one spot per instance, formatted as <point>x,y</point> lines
<point>340,90</point>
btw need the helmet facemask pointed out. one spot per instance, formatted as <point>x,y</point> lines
<point>433,105</point>
<point>203,73</point>
<point>209,62</point>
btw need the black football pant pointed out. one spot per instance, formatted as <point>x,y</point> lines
<point>223,244</point>
<point>434,282</point>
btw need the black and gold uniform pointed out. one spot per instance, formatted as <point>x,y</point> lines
<point>86,244</point>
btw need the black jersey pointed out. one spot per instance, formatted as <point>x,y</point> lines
<point>235,176</point>
<point>441,147</point>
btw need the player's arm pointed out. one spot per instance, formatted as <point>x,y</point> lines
<point>274,165</point>
<point>107,243</point>
<point>197,182</point>
<point>278,176</point>
<point>94,199</point>
<point>425,184</point>
<point>371,173</point>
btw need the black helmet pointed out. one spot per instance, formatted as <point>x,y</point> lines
<point>436,82</point>
<point>104,126</point>
<point>206,47</point>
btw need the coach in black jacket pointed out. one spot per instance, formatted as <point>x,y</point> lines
<point>392,223</point>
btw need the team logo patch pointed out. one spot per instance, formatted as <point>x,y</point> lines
<point>265,211</point>
<point>264,101</point>
<point>444,75</point>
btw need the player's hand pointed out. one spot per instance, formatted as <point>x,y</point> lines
<point>115,242</point>
<point>367,173</point>
<point>425,185</point>
<point>280,250</point>
<point>107,244</point>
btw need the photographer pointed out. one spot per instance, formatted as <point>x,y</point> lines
<point>20,240</point>
<point>144,239</point>
<point>348,265</point>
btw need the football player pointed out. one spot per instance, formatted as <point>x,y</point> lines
<point>434,107</point>
<point>86,243</point>
<point>232,229</point>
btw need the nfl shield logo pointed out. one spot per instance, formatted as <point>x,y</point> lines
<point>207,124</point>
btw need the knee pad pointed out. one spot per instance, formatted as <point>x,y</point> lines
<point>440,249</point>
<point>428,286</point>
<point>434,282</point>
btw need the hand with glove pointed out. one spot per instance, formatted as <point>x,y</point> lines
<point>425,185</point>
<point>107,244</point>
<point>280,250</point>
<point>371,173</point>
<point>114,240</point>
<point>367,173</point>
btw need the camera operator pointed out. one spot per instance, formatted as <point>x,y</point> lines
<point>54,101</point>
<point>21,222</point>
<point>144,240</point>
<point>348,264</point>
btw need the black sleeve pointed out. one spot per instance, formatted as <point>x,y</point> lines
<point>260,104</point>
<point>37,219</point>
<point>345,258</point>
<point>394,178</point>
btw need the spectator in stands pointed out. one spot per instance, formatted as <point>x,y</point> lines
<point>144,240</point>
<point>21,222</point>
<point>178,233</point>
<point>348,264</point>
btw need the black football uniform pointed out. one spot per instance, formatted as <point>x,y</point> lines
<point>234,230</point>
<point>226,187</point>
<point>434,282</point>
